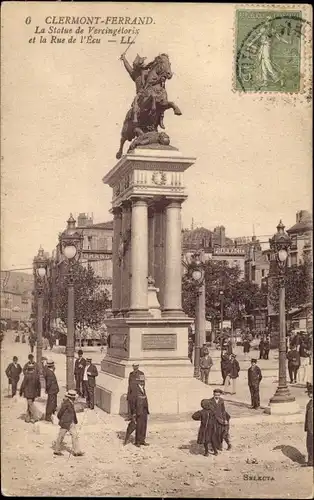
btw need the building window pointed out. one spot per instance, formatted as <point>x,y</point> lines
<point>89,244</point>
<point>263,273</point>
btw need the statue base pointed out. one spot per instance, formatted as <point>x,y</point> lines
<point>159,346</point>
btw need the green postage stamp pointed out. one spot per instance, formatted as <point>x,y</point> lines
<point>268,54</point>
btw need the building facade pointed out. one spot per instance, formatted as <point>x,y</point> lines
<point>301,234</point>
<point>16,297</point>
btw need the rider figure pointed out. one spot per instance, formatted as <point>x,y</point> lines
<point>138,74</point>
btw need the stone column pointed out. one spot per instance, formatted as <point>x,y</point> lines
<point>139,258</point>
<point>173,267</point>
<point>159,251</point>
<point>116,272</point>
<point>151,242</point>
<point>125,244</point>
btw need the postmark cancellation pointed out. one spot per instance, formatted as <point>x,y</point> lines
<point>273,50</point>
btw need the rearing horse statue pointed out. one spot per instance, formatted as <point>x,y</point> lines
<point>151,101</point>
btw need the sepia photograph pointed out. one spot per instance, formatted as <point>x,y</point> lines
<point>156,250</point>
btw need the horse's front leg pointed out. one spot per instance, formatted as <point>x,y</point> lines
<point>175,108</point>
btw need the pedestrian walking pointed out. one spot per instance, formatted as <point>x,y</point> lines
<point>233,370</point>
<point>229,347</point>
<point>304,362</point>
<point>30,389</point>
<point>261,348</point>
<point>254,380</point>
<point>205,432</point>
<point>132,388</point>
<point>246,346</point>
<point>89,382</point>
<point>32,342</point>
<point>206,363</point>
<point>293,358</point>
<point>79,368</point>
<point>308,426</point>
<point>224,365</point>
<point>52,389</point>
<point>13,373</point>
<point>140,414</point>
<point>31,361</point>
<point>67,422</point>
<point>266,349</point>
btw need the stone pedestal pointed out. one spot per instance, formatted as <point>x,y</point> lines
<point>286,408</point>
<point>149,326</point>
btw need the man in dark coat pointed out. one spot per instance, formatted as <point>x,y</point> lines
<point>308,426</point>
<point>30,389</point>
<point>224,364</point>
<point>219,418</point>
<point>32,342</point>
<point>261,348</point>
<point>140,414</point>
<point>79,368</point>
<point>254,375</point>
<point>68,421</point>
<point>293,358</point>
<point>232,374</point>
<point>52,390</point>
<point>132,387</point>
<point>246,346</point>
<point>206,363</point>
<point>266,348</point>
<point>205,432</point>
<point>89,382</point>
<point>13,373</point>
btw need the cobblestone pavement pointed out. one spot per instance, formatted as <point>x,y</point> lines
<point>265,461</point>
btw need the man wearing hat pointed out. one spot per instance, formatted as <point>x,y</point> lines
<point>30,389</point>
<point>52,390</point>
<point>217,408</point>
<point>79,369</point>
<point>132,383</point>
<point>232,373</point>
<point>140,413</point>
<point>89,382</point>
<point>308,426</point>
<point>13,373</point>
<point>206,363</point>
<point>254,376</point>
<point>67,421</point>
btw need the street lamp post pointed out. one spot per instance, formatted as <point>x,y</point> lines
<point>221,296</point>
<point>71,247</point>
<point>282,401</point>
<point>40,265</point>
<point>197,274</point>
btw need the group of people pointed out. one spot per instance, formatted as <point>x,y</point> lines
<point>30,389</point>
<point>264,348</point>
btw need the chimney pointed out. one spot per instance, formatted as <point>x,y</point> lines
<point>82,220</point>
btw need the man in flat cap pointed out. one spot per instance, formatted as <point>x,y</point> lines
<point>217,408</point>
<point>308,426</point>
<point>140,413</point>
<point>79,368</point>
<point>30,389</point>
<point>254,376</point>
<point>134,375</point>
<point>52,390</point>
<point>67,421</point>
<point>89,382</point>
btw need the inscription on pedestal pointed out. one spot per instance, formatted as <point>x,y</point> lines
<point>159,342</point>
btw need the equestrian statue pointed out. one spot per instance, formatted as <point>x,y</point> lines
<point>151,101</point>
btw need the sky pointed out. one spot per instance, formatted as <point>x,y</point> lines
<point>63,106</point>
